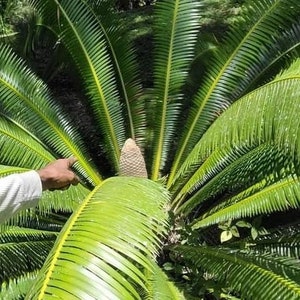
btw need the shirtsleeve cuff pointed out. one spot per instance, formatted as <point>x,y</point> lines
<point>32,188</point>
<point>19,191</point>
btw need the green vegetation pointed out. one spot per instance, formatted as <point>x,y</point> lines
<point>216,117</point>
<point>12,14</point>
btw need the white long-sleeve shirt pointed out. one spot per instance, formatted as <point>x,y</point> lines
<point>19,191</point>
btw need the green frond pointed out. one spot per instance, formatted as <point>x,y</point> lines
<point>23,250</point>
<point>17,288</point>
<point>274,176</point>
<point>83,36</point>
<point>64,201</point>
<point>160,287</point>
<point>21,148</point>
<point>267,115</point>
<point>18,148</point>
<point>233,150</point>
<point>7,170</point>
<point>211,178</point>
<point>283,245</point>
<point>26,99</point>
<point>32,218</point>
<point>254,276</point>
<point>232,171</point>
<point>241,60</point>
<point>280,196</point>
<point>291,72</point>
<point>285,49</point>
<point>126,68</point>
<point>177,22</point>
<point>114,234</point>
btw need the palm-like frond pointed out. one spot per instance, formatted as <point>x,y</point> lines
<point>230,164</point>
<point>126,69</point>
<point>255,276</point>
<point>84,38</point>
<point>20,148</point>
<point>242,59</point>
<point>228,170</point>
<point>123,61</point>
<point>160,287</point>
<point>18,287</point>
<point>271,123</point>
<point>63,201</point>
<point>26,99</point>
<point>285,49</point>
<point>113,235</point>
<point>49,221</point>
<point>281,242</point>
<point>23,250</point>
<point>281,196</point>
<point>180,20</point>
<point>289,246</point>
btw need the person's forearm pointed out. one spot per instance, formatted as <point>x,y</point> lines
<point>19,191</point>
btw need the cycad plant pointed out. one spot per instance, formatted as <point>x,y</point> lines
<point>218,211</point>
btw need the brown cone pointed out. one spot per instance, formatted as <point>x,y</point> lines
<point>132,162</point>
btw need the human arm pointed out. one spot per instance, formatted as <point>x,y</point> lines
<point>21,191</point>
<point>58,174</point>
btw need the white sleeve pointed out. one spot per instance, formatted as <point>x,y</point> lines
<point>19,191</point>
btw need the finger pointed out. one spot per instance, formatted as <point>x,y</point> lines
<point>75,180</point>
<point>71,161</point>
<point>65,187</point>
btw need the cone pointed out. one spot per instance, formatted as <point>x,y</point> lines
<point>132,162</point>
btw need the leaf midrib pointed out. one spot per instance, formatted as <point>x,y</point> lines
<point>95,177</point>
<point>61,241</point>
<point>207,97</point>
<point>158,152</point>
<point>98,85</point>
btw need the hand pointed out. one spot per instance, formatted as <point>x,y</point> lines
<point>58,174</point>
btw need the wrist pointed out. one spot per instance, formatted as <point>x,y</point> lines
<point>44,177</point>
